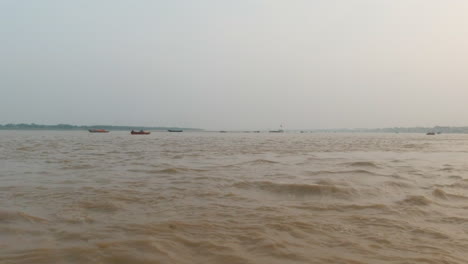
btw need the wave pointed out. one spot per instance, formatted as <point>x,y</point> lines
<point>25,149</point>
<point>101,206</point>
<point>447,169</point>
<point>168,171</point>
<point>300,189</point>
<point>78,167</point>
<point>15,216</point>
<point>345,207</point>
<point>330,182</point>
<point>418,200</point>
<point>357,171</point>
<point>438,193</point>
<point>250,162</point>
<point>454,220</point>
<point>462,184</point>
<point>411,146</point>
<point>258,162</point>
<point>395,184</point>
<point>368,164</point>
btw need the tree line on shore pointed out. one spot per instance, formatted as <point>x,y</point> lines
<point>33,126</point>
<point>436,129</point>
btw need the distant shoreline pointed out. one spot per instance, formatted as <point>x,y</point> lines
<point>435,129</point>
<point>67,127</point>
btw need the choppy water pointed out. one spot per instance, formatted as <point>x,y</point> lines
<point>74,197</point>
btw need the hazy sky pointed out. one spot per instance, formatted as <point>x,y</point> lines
<point>243,64</point>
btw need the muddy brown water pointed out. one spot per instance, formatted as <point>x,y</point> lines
<point>76,197</point>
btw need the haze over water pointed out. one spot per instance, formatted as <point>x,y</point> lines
<point>235,65</point>
<point>74,197</point>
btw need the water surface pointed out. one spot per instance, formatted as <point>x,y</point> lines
<point>75,197</point>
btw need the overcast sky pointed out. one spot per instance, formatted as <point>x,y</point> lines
<point>243,64</point>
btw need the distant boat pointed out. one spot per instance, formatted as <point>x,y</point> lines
<point>430,133</point>
<point>222,131</point>
<point>278,131</point>
<point>98,131</point>
<point>141,132</point>
<point>175,130</point>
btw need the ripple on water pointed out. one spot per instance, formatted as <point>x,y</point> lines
<point>16,216</point>
<point>300,189</point>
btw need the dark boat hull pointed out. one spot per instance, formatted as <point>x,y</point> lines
<point>98,131</point>
<point>140,132</point>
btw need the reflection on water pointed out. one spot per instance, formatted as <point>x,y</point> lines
<point>74,197</point>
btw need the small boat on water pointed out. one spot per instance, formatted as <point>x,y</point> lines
<point>277,131</point>
<point>141,132</point>
<point>98,131</point>
<point>430,133</point>
<point>175,130</point>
